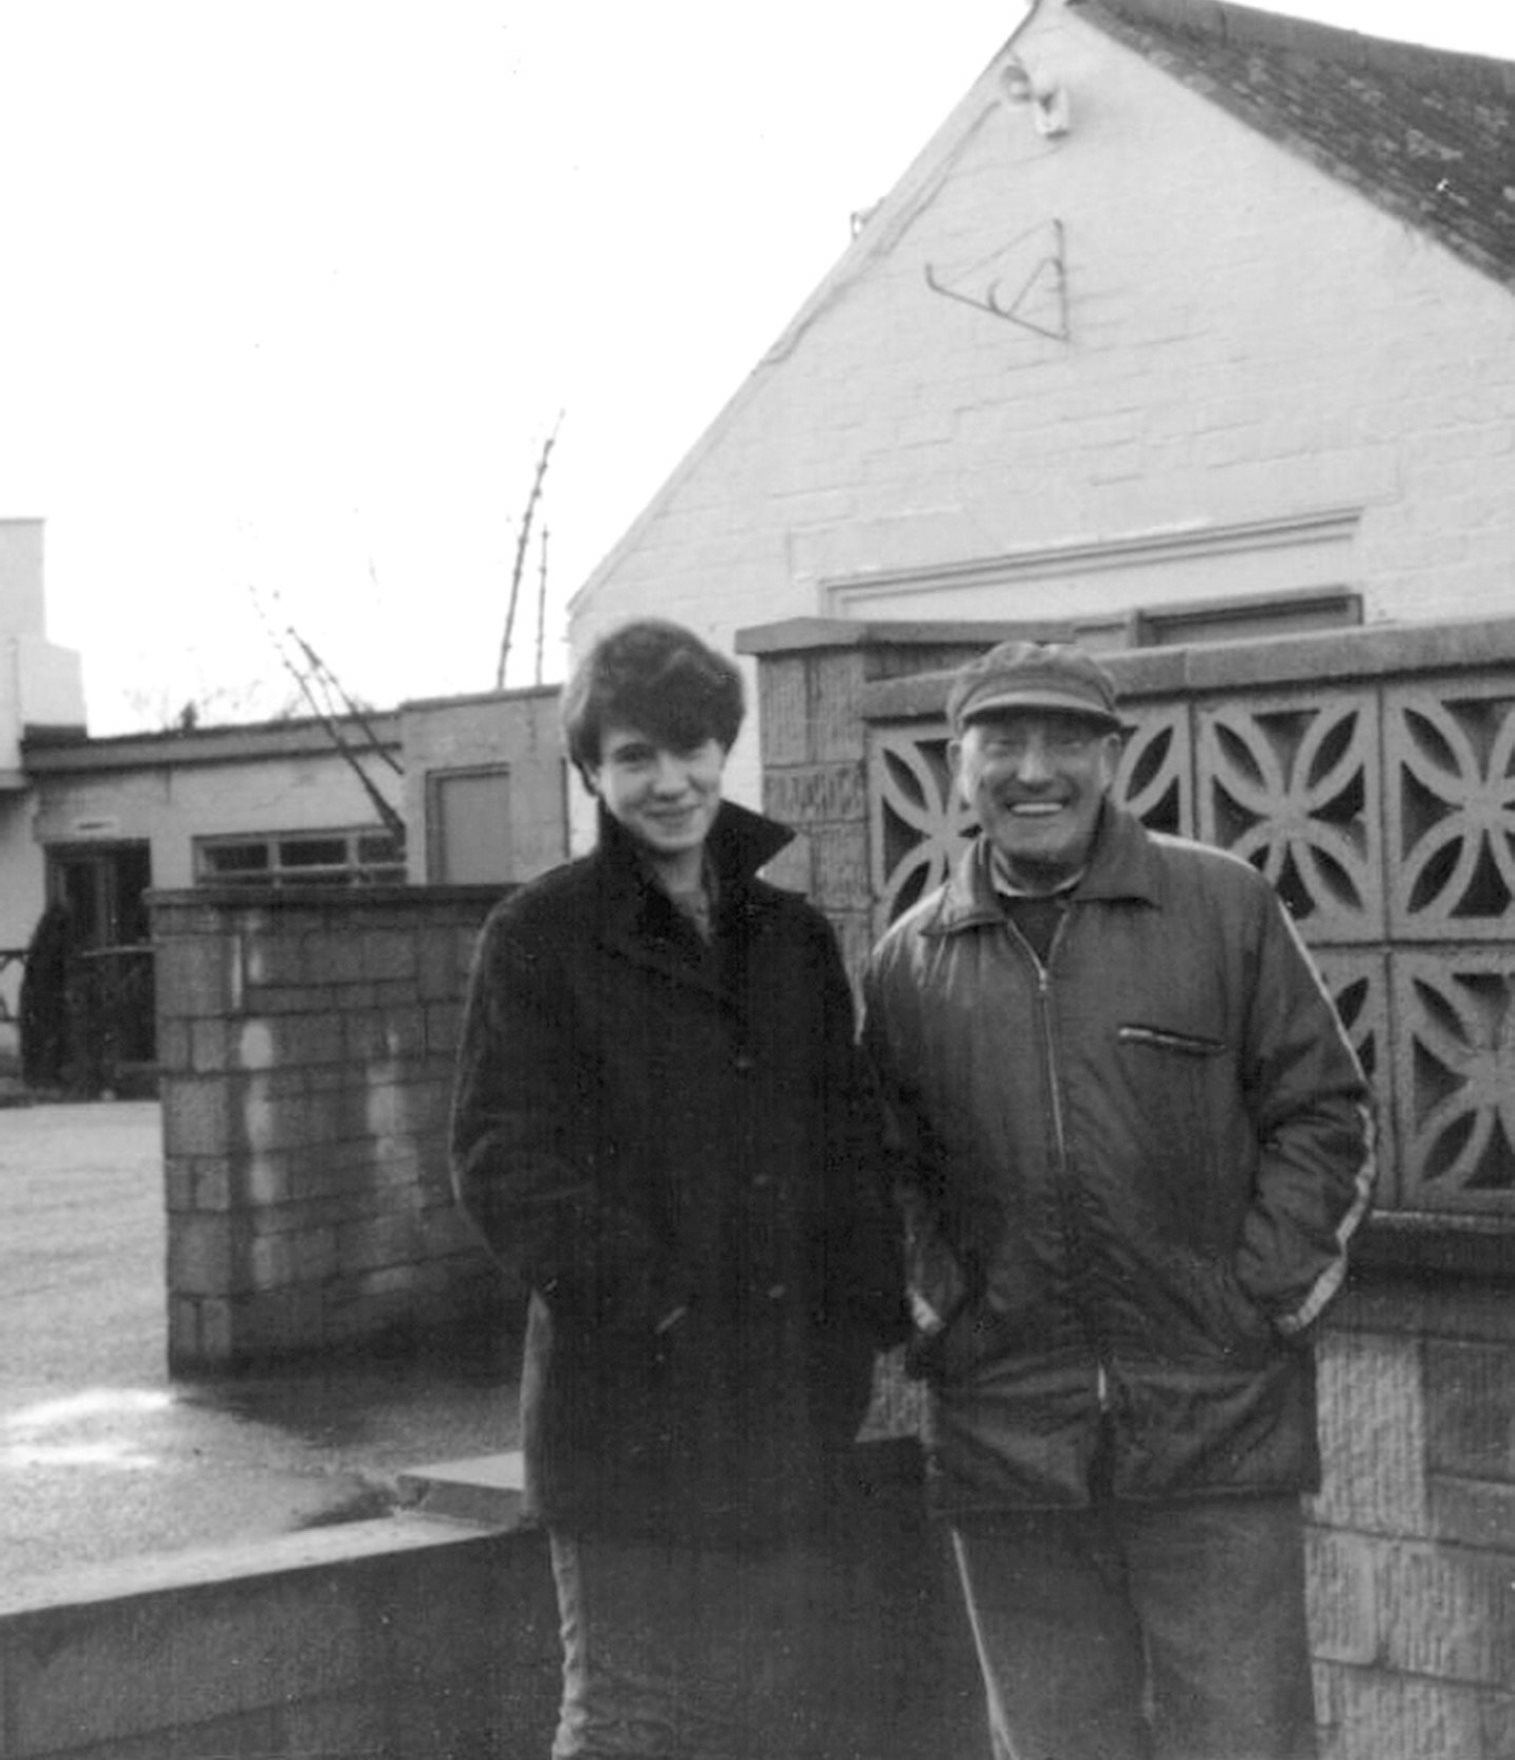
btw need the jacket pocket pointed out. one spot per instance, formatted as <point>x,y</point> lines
<point>1212,1312</point>
<point>1180,1089</point>
<point>1183,1044</point>
<point>951,1355</point>
<point>1249,1324</point>
<point>936,1284</point>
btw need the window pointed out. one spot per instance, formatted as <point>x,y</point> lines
<point>1244,619</point>
<point>301,858</point>
<point>1206,583</point>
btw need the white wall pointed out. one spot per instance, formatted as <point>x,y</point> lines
<point>517,730</point>
<point>170,805</point>
<point>1250,342</point>
<point>40,685</point>
<point>21,604</point>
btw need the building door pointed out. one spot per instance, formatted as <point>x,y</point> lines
<point>103,889</point>
<point>468,813</point>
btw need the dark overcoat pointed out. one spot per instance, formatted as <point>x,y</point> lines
<point>674,1146</point>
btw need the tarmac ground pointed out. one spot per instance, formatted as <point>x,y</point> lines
<point>103,1456</point>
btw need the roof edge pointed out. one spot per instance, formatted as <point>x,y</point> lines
<point>887,221</point>
<point>1226,22</point>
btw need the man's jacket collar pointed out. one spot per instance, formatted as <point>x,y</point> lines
<point>1123,865</point>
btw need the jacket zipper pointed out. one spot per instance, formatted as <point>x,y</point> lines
<point>1071,1228</point>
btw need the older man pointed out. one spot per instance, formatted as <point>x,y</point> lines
<point>1138,1144</point>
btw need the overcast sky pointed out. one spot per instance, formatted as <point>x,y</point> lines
<point>293,291</point>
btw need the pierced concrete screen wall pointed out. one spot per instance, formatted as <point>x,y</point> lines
<point>1369,774</point>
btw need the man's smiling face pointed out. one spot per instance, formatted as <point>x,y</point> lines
<point>1036,780</point>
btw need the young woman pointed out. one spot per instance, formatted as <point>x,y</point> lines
<point>663,1129</point>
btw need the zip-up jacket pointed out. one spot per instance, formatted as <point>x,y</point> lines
<point>1130,1173</point>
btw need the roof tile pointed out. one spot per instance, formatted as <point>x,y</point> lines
<point>1426,134</point>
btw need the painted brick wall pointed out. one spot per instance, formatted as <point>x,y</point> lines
<point>306,1043</point>
<point>1248,340</point>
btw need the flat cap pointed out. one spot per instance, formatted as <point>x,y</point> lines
<point>1047,676</point>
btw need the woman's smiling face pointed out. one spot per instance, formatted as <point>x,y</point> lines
<point>666,798</point>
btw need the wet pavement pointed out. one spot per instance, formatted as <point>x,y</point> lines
<point>102,1455</point>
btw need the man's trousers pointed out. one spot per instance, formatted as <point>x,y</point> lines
<point>1143,1632</point>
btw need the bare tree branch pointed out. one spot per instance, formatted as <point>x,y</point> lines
<point>330,682</point>
<point>307,678</point>
<point>541,603</point>
<point>523,537</point>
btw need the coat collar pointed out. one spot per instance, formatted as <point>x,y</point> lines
<point>740,843</point>
<point>1123,866</point>
<point>642,922</point>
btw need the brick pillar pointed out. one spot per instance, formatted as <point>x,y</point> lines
<point>813,675</point>
<point>306,1042</point>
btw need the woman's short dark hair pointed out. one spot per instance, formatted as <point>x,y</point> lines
<point>659,678</point>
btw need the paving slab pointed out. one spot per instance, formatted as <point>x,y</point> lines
<point>103,1455</point>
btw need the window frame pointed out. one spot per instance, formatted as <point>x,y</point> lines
<point>355,868</point>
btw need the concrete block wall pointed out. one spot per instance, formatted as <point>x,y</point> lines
<point>387,1640</point>
<point>306,1043</point>
<point>429,1636</point>
<point>1412,1545</point>
<point>811,674</point>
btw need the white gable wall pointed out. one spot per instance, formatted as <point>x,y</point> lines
<point>1253,348</point>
